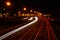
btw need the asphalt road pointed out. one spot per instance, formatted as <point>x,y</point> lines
<point>7,25</point>
<point>43,29</point>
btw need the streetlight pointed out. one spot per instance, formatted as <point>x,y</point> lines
<point>8,3</point>
<point>31,11</point>
<point>34,11</point>
<point>40,13</point>
<point>19,13</point>
<point>24,9</point>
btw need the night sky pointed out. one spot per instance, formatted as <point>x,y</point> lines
<point>45,6</point>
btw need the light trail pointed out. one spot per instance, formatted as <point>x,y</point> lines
<point>30,18</point>
<point>38,31</point>
<point>30,33</point>
<point>57,31</point>
<point>57,27</point>
<point>25,34</point>
<point>48,31</point>
<point>18,29</point>
<point>25,18</point>
<point>51,33</point>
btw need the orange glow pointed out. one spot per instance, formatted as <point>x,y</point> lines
<point>1,15</point>
<point>44,14</point>
<point>34,11</point>
<point>28,14</point>
<point>32,14</point>
<point>8,3</point>
<point>23,14</point>
<point>30,10</point>
<point>19,12</point>
<point>24,9</point>
<point>37,12</point>
<point>40,13</point>
<point>15,15</point>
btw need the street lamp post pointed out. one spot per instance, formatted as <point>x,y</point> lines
<point>25,10</point>
<point>8,5</point>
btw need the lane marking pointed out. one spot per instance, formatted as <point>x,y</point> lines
<point>18,29</point>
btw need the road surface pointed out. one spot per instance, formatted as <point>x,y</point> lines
<point>40,30</point>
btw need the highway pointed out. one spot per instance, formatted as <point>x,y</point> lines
<point>41,28</point>
<point>7,25</point>
<point>29,20</point>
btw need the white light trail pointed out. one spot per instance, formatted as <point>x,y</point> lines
<point>30,18</point>
<point>18,29</point>
<point>25,18</point>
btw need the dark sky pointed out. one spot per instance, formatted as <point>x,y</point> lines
<point>46,6</point>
